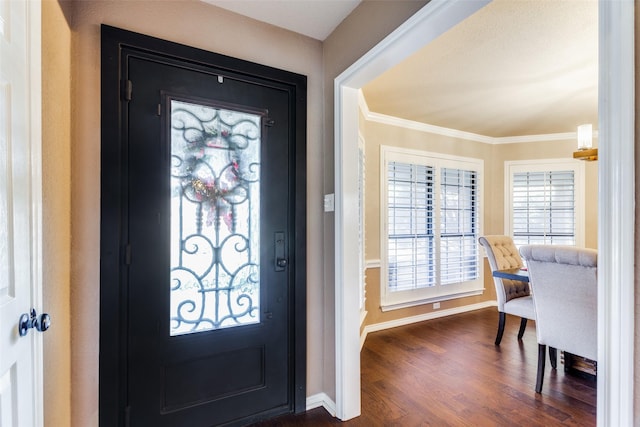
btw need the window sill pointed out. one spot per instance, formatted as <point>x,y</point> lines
<point>438,298</point>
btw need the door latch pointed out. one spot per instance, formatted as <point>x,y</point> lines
<point>281,261</point>
<point>31,320</point>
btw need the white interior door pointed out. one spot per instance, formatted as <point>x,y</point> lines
<point>20,216</point>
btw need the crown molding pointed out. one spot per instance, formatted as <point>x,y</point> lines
<point>455,133</point>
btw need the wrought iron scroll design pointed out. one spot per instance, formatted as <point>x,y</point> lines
<point>215,170</point>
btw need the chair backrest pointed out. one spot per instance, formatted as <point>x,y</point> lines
<point>503,254</point>
<point>565,288</point>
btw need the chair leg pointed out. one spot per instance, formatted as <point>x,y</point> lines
<point>568,361</point>
<point>542,350</point>
<point>501,321</point>
<point>553,357</point>
<point>523,326</point>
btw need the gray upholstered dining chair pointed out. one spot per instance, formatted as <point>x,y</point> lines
<point>513,296</point>
<point>565,289</point>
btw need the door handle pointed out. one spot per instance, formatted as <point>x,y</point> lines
<point>31,320</point>
<point>281,261</point>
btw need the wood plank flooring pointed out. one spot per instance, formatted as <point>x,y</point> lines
<point>447,372</point>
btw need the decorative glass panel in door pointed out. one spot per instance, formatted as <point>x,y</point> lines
<point>215,224</point>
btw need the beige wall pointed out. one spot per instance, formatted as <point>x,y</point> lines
<point>493,156</point>
<point>56,211</point>
<point>189,22</point>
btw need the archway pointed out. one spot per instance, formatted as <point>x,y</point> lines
<point>616,198</point>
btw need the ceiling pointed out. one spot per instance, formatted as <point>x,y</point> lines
<point>313,18</point>
<point>525,67</point>
<point>516,67</point>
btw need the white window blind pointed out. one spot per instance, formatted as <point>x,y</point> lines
<point>544,207</point>
<point>545,201</point>
<point>410,217</point>
<point>430,231</point>
<point>458,222</point>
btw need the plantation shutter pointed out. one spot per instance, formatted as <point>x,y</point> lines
<point>410,221</point>
<point>544,208</point>
<point>458,226</point>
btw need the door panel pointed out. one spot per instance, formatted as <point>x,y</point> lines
<point>20,223</point>
<point>188,160</point>
<point>205,186</point>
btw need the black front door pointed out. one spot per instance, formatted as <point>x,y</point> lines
<point>209,268</point>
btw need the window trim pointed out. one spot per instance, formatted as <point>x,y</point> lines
<point>547,165</point>
<point>408,298</point>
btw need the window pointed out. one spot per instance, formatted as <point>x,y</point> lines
<point>545,202</point>
<point>410,238</point>
<point>458,236</point>
<point>430,228</point>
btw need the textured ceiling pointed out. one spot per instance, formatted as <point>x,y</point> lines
<point>313,18</point>
<point>524,67</point>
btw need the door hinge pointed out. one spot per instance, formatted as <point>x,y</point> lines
<point>128,90</point>
<point>270,122</point>
<point>159,109</point>
<point>127,254</point>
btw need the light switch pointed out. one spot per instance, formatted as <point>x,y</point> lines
<point>329,202</point>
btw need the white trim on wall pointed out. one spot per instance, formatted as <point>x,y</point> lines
<point>427,316</point>
<point>372,263</point>
<point>432,20</point>
<point>455,133</point>
<point>321,400</point>
<point>361,226</point>
<point>34,31</point>
<point>422,317</point>
<point>616,203</point>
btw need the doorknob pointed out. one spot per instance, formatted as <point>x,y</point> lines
<point>31,320</point>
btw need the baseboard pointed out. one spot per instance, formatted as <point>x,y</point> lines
<point>321,399</point>
<point>422,317</point>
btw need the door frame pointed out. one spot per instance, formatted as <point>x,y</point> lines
<point>33,132</point>
<point>616,198</point>
<point>34,16</point>
<point>113,272</point>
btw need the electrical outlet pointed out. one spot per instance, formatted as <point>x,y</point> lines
<point>436,305</point>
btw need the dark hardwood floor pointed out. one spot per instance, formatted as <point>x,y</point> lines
<point>447,372</point>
